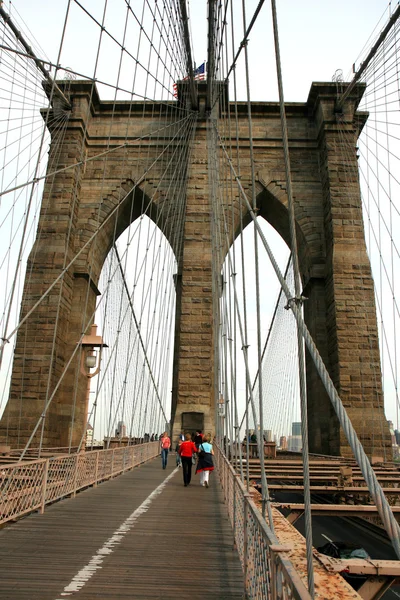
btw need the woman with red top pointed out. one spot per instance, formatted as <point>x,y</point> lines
<point>186,451</point>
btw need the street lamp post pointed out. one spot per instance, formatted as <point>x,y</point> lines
<point>90,359</point>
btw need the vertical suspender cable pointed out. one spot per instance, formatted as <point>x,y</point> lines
<point>260,437</point>
<point>301,353</point>
<point>189,63</point>
<point>210,52</point>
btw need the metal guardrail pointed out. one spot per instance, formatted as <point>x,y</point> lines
<point>28,486</point>
<point>268,572</point>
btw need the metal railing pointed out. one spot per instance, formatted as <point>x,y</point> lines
<point>268,572</point>
<point>28,486</point>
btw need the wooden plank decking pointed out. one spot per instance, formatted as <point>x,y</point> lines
<point>115,542</point>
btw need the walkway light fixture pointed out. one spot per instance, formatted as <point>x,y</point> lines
<point>91,359</point>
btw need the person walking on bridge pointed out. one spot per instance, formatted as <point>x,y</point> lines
<point>187,449</point>
<point>165,446</point>
<point>198,438</point>
<point>178,456</point>
<point>205,463</point>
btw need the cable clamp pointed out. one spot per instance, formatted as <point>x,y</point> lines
<point>5,340</point>
<point>297,300</point>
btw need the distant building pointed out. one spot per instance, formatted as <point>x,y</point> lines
<point>296,429</point>
<point>283,443</point>
<point>294,443</point>
<point>268,435</point>
<point>89,434</point>
<point>121,430</point>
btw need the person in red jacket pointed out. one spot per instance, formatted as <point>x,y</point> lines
<point>186,451</point>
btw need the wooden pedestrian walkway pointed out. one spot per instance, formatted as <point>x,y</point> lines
<point>140,536</point>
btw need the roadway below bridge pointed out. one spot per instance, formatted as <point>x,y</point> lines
<point>346,529</point>
<point>337,487</point>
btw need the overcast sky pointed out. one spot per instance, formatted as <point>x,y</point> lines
<point>316,37</point>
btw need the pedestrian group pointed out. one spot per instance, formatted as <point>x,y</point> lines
<point>190,450</point>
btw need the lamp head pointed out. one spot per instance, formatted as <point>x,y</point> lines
<point>91,360</point>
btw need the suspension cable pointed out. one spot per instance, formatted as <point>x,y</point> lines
<point>293,241</point>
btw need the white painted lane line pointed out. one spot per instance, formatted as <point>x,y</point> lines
<point>83,576</point>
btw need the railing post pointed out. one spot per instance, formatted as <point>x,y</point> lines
<point>44,486</point>
<point>273,576</point>
<point>123,459</point>
<point>276,581</point>
<point>75,474</point>
<point>112,463</point>
<point>224,475</point>
<point>138,455</point>
<point>225,483</point>
<point>246,495</point>
<point>234,510</point>
<point>96,471</point>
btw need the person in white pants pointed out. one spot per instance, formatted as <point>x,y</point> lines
<point>204,476</point>
<point>205,463</point>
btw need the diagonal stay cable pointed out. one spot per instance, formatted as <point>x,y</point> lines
<point>300,343</point>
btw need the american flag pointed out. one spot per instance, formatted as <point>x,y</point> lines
<point>199,75</point>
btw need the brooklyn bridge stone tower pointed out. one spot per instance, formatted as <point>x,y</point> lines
<point>84,207</point>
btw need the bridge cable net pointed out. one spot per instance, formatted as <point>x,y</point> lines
<point>279,373</point>
<point>379,168</point>
<point>129,388</point>
<point>225,175</point>
<point>378,161</point>
<point>24,147</point>
<point>138,202</point>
